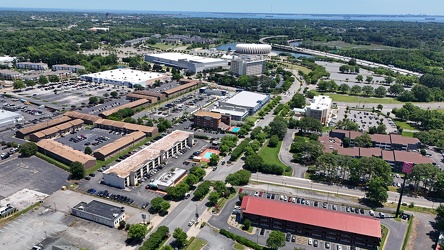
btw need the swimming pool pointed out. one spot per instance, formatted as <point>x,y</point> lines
<point>207,155</point>
<point>235,129</point>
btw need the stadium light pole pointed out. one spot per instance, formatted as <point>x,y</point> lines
<point>407,168</point>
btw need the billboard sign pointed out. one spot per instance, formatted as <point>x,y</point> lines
<point>407,167</point>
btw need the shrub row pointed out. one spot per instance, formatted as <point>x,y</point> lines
<point>244,241</point>
<point>237,152</point>
<point>156,238</point>
<point>202,190</point>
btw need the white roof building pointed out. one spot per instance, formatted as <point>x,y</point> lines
<point>168,179</point>
<point>126,77</point>
<point>242,104</point>
<point>320,108</point>
<point>185,61</point>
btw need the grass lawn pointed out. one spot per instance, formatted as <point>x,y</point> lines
<point>252,118</point>
<point>197,244</point>
<point>162,46</point>
<point>360,99</point>
<point>238,246</point>
<point>404,125</point>
<point>270,156</point>
<point>385,232</point>
<point>297,67</point>
<point>407,133</point>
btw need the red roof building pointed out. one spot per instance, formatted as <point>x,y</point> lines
<point>352,229</point>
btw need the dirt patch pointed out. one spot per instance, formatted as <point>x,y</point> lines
<point>413,235</point>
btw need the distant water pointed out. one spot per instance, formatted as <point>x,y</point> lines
<point>295,16</point>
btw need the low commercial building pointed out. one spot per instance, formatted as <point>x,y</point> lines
<point>184,61</point>
<point>8,117</point>
<point>186,86</point>
<point>70,68</point>
<point>136,41</point>
<point>158,96</point>
<point>87,118</point>
<point>124,77</point>
<point>57,130</point>
<point>168,179</point>
<point>324,224</point>
<point>247,65</point>
<point>320,108</point>
<point>31,66</point>
<point>131,105</point>
<point>118,145</point>
<point>126,127</point>
<point>25,132</point>
<point>386,142</point>
<point>130,171</point>
<point>99,212</point>
<point>212,120</point>
<point>242,104</point>
<point>134,97</point>
<point>65,154</point>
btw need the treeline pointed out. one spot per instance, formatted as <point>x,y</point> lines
<point>317,71</point>
<point>424,119</point>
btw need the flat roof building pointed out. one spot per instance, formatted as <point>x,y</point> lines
<point>247,65</point>
<point>130,171</point>
<point>65,154</point>
<point>168,179</point>
<point>212,120</point>
<point>182,88</point>
<point>320,108</point>
<point>124,77</point>
<point>242,104</point>
<point>351,229</point>
<point>131,105</point>
<point>185,61</point>
<point>99,212</point>
<point>8,117</point>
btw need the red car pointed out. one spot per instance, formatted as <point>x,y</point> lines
<point>289,199</point>
<point>240,190</point>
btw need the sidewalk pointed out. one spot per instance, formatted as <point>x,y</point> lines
<point>195,229</point>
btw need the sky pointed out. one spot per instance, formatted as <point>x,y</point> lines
<point>416,7</point>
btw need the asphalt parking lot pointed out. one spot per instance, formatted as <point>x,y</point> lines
<point>365,119</point>
<point>91,136</point>
<point>32,173</point>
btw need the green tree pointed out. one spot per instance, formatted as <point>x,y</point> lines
<point>54,78</point>
<point>156,204</point>
<point>163,124</point>
<point>93,100</point>
<point>137,232</point>
<point>381,129</point>
<point>213,198</point>
<point>43,80</point>
<point>221,188</point>
<point>88,151</point>
<point>377,191</point>
<point>29,83</point>
<point>164,206</point>
<point>254,162</point>
<point>369,79</point>
<point>297,101</point>
<point>77,170</point>
<point>198,172</point>
<point>359,78</point>
<point>214,159</point>
<point>309,124</point>
<point>396,89</point>
<point>440,217</point>
<point>274,141</point>
<point>28,149</point>
<point>388,79</point>
<point>344,88</point>
<point>276,239</point>
<point>239,178</point>
<point>18,84</point>
<point>355,90</point>
<point>114,94</point>
<point>247,224</point>
<point>380,91</point>
<point>380,107</point>
<point>191,180</point>
<point>278,127</point>
<point>368,90</point>
<point>363,141</point>
<point>347,124</point>
<point>180,238</point>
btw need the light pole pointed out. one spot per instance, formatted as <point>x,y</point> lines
<point>197,213</point>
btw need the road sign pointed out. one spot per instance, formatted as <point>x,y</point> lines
<point>143,216</point>
<point>407,167</point>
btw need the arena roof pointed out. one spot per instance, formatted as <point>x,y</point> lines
<point>335,220</point>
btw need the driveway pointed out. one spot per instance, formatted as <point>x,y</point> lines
<point>286,157</point>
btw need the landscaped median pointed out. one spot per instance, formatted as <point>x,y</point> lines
<point>270,155</point>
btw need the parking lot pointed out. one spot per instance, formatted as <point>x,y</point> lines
<point>89,138</point>
<point>32,173</point>
<point>139,195</point>
<point>365,119</point>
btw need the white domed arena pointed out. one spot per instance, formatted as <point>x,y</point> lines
<point>253,49</point>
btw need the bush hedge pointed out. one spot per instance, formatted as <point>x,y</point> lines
<point>244,241</point>
<point>237,152</point>
<point>156,238</point>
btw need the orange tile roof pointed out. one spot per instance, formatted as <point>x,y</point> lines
<point>120,143</point>
<point>64,151</point>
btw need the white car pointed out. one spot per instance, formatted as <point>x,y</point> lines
<point>310,241</point>
<point>256,194</point>
<point>191,223</point>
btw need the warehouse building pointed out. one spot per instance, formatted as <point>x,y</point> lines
<point>131,105</point>
<point>242,104</point>
<point>99,212</point>
<point>130,171</point>
<point>118,145</point>
<point>65,154</point>
<point>126,127</point>
<point>25,132</point>
<point>324,224</point>
<point>58,130</point>
<point>212,120</point>
<point>124,77</point>
<point>87,118</point>
<point>184,61</point>
<point>168,179</point>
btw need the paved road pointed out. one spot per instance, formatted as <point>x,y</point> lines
<point>307,184</point>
